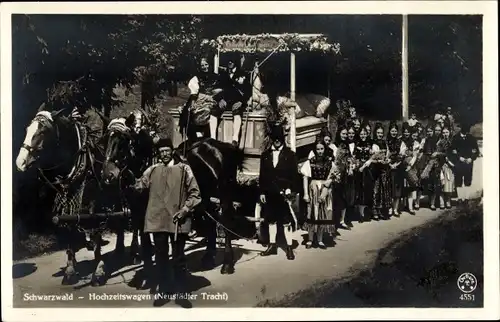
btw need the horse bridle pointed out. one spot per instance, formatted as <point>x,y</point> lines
<point>49,123</point>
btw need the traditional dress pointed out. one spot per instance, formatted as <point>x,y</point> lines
<point>429,174</point>
<point>382,198</point>
<point>331,151</point>
<point>412,176</point>
<point>345,189</point>
<point>364,179</point>
<point>203,99</point>
<point>447,177</point>
<point>397,151</point>
<point>319,213</point>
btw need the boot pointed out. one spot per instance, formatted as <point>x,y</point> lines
<point>271,250</point>
<point>289,253</point>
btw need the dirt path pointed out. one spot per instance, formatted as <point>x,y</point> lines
<point>256,279</point>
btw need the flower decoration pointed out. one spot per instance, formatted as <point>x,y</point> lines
<point>265,43</point>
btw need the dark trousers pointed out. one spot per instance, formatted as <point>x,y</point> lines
<point>463,174</point>
<point>170,273</point>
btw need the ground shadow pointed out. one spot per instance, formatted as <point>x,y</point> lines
<point>419,269</point>
<point>23,269</point>
<point>195,262</point>
<point>113,260</point>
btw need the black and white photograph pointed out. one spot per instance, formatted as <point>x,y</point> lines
<point>175,157</point>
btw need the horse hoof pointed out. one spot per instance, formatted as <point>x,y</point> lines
<point>69,279</point>
<point>98,280</point>
<point>227,269</point>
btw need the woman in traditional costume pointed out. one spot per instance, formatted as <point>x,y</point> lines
<point>412,177</point>
<point>316,173</point>
<point>330,148</point>
<point>382,199</point>
<point>447,177</point>
<point>397,150</point>
<point>363,176</point>
<point>430,174</point>
<point>345,190</point>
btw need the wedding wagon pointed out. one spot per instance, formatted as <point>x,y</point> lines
<point>306,116</point>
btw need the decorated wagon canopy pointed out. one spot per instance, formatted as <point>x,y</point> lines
<point>266,43</point>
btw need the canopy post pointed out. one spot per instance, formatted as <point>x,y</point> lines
<point>216,61</point>
<point>404,66</point>
<point>293,132</point>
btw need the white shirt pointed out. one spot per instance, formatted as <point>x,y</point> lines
<point>276,155</point>
<point>412,122</point>
<point>194,86</point>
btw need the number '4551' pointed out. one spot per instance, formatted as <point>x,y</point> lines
<point>467,297</point>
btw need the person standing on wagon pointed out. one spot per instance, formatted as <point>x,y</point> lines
<point>278,180</point>
<point>173,195</point>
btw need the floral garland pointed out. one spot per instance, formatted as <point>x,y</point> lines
<point>257,43</point>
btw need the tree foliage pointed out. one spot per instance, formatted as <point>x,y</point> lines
<point>95,53</point>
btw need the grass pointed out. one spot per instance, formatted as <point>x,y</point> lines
<point>419,269</point>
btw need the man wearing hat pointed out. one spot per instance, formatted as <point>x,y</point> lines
<point>278,180</point>
<point>173,195</point>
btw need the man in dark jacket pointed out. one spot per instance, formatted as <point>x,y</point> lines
<point>173,195</point>
<point>236,94</point>
<point>465,151</point>
<point>278,182</point>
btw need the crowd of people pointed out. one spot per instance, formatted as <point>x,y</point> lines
<point>377,173</point>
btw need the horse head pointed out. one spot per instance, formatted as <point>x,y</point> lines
<point>129,146</point>
<point>44,136</point>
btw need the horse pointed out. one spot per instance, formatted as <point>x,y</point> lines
<point>215,166</point>
<point>129,152</point>
<point>68,161</point>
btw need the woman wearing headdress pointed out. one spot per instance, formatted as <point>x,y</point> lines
<point>382,199</point>
<point>363,176</point>
<point>345,190</point>
<point>397,150</point>
<point>412,176</point>
<point>430,174</point>
<point>326,137</point>
<point>446,162</point>
<point>318,194</point>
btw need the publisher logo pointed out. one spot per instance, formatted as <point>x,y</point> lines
<point>467,283</point>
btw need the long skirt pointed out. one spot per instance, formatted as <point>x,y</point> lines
<point>397,182</point>
<point>345,192</point>
<point>412,178</point>
<point>364,187</point>
<point>447,179</point>
<point>201,109</point>
<point>381,187</point>
<point>319,214</point>
<point>430,177</point>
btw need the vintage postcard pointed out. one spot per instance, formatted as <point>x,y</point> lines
<point>332,160</point>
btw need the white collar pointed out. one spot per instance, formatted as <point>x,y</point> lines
<point>278,149</point>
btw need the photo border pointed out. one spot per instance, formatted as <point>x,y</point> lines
<point>490,157</point>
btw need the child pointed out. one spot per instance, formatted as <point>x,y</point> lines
<point>413,120</point>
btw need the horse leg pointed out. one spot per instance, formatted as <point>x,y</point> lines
<point>120,240</point>
<point>228,262</point>
<point>70,273</point>
<point>208,260</point>
<point>134,247</point>
<point>99,276</point>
